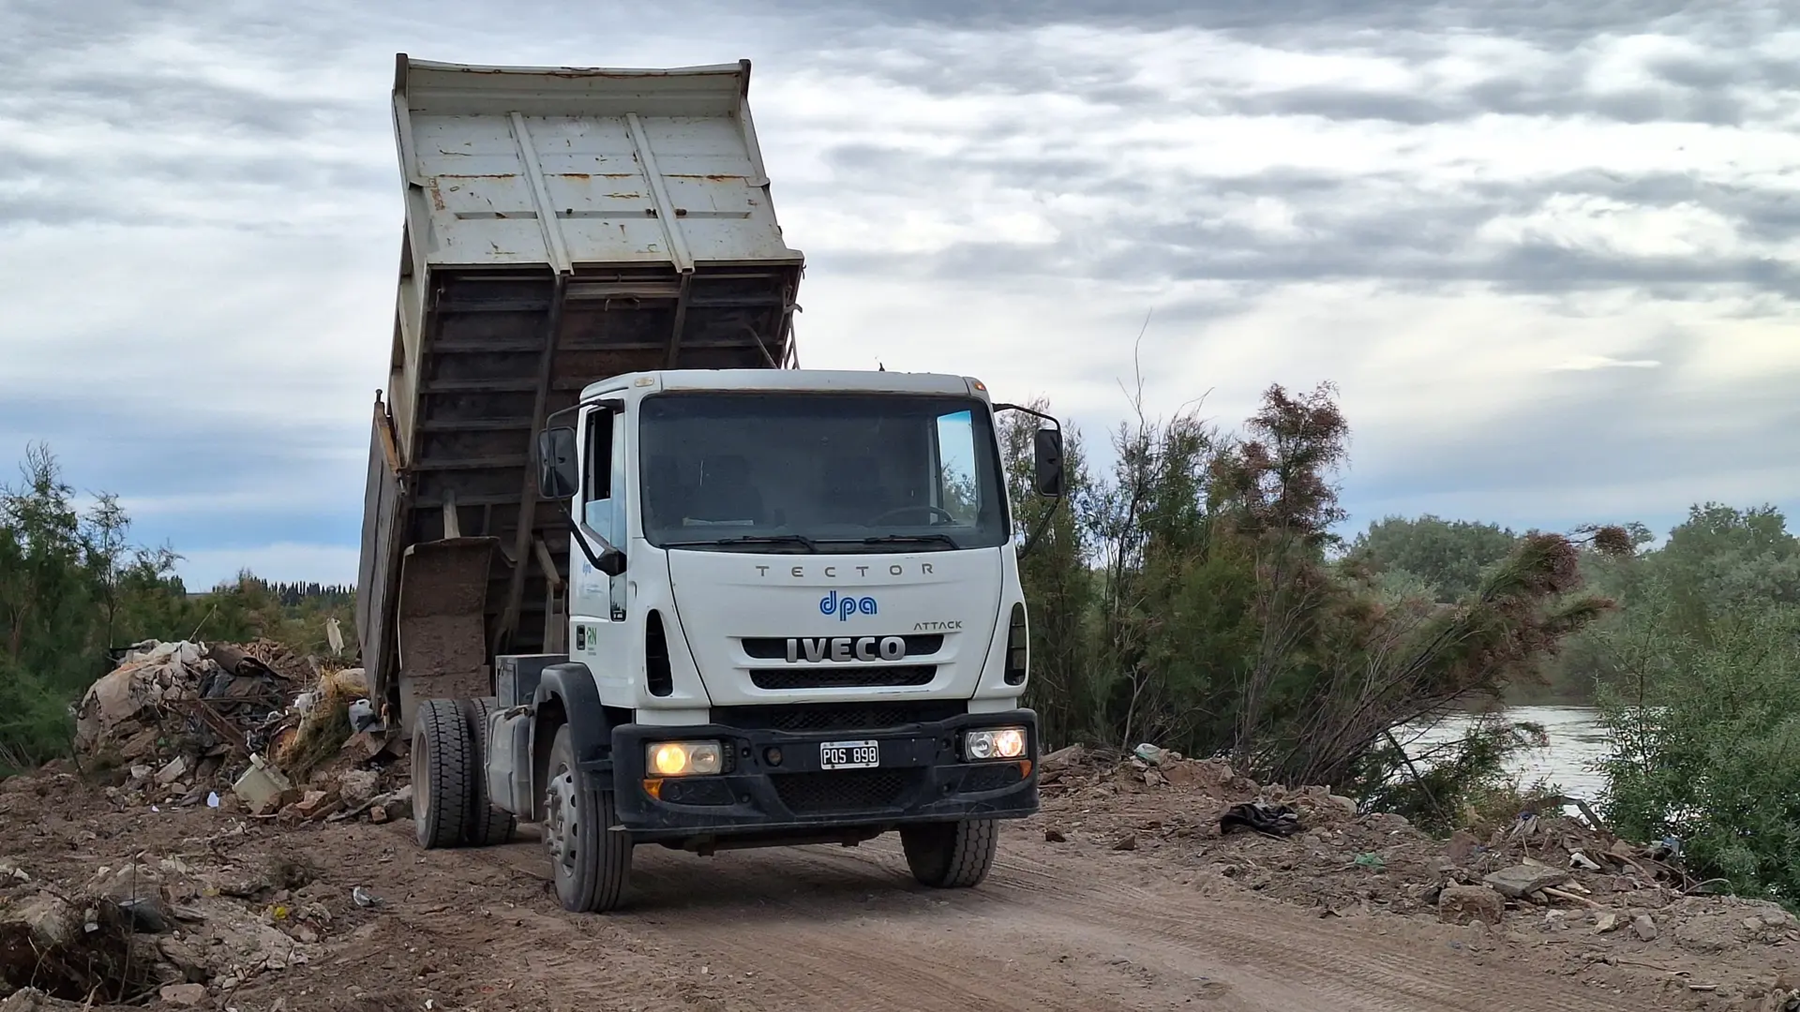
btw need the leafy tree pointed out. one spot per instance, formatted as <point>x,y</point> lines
<point>1450,557</point>
<point>1706,733</point>
<point>74,590</point>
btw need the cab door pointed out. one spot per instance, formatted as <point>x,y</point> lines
<point>599,606</point>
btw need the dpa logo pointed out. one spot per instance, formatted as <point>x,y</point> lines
<point>846,606</point>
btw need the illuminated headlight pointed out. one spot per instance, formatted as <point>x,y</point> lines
<point>994,743</point>
<point>684,758</point>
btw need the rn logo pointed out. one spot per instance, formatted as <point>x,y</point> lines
<point>846,606</point>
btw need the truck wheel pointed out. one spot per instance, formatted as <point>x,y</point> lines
<point>951,855</point>
<point>487,824</point>
<point>440,774</point>
<point>590,860</point>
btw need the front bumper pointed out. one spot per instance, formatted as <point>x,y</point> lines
<point>921,778</point>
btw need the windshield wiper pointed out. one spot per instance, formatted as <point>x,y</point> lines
<point>753,539</point>
<point>912,539</point>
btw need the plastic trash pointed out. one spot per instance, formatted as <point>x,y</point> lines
<point>212,799</point>
<point>1149,753</point>
<point>362,716</point>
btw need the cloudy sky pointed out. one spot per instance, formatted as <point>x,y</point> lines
<point>1546,250</point>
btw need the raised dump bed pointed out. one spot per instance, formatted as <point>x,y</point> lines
<point>562,225</point>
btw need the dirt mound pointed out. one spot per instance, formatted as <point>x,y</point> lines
<point>1543,878</point>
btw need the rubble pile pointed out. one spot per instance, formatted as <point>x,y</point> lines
<point>109,908</point>
<point>250,727</point>
<point>1544,872</point>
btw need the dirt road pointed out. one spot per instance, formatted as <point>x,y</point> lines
<point>834,928</point>
<point>1139,904</point>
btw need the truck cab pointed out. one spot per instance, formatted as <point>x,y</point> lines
<point>796,619</point>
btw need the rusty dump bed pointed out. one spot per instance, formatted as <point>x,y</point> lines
<point>562,225</point>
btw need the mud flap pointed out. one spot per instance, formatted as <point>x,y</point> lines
<point>442,631</point>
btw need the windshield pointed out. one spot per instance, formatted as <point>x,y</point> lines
<point>811,472</point>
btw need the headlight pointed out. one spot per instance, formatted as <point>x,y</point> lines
<point>684,758</point>
<point>994,743</point>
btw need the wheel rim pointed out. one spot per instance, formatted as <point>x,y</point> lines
<point>421,778</point>
<point>561,822</point>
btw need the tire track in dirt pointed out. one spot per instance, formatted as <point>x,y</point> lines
<point>1268,947</point>
<point>829,946</point>
<point>844,929</point>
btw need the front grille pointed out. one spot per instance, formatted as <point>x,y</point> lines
<point>800,718</point>
<point>774,648</point>
<point>859,676</point>
<point>842,791</point>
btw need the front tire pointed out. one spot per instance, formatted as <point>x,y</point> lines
<point>951,855</point>
<point>590,860</point>
<point>440,774</point>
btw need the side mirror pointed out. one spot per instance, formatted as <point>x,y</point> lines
<point>559,476</point>
<point>1049,464</point>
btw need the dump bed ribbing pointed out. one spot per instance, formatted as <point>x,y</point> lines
<point>562,225</point>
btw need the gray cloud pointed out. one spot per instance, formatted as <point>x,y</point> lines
<point>999,156</point>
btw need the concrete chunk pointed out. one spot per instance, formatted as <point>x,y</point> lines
<point>1520,881</point>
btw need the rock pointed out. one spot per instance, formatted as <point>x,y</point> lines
<point>1606,923</point>
<point>1462,846</point>
<point>1711,933</point>
<point>1520,881</point>
<point>1349,805</point>
<point>1643,927</point>
<point>317,804</point>
<point>1054,836</point>
<point>184,994</point>
<point>49,920</point>
<point>357,787</point>
<point>172,771</point>
<point>1129,842</point>
<point>32,1000</point>
<point>378,814</point>
<point>398,804</point>
<point>128,884</point>
<point>1459,904</point>
<point>363,743</point>
<point>183,958</point>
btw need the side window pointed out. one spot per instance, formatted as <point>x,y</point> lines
<point>616,481</point>
<point>956,467</point>
<point>600,474</point>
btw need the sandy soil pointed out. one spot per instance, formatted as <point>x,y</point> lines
<point>272,924</point>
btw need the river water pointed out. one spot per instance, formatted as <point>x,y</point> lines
<point>1576,742</point>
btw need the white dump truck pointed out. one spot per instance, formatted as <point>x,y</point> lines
<point>628,572</point>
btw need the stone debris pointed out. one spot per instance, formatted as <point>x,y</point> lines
<point>1316,848</point>
<point>1461,904</point>
<point>1524,881</point>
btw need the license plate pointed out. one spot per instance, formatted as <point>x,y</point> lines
<point>849,755</point>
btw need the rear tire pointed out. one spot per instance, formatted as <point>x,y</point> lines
<point>440,774</point>
<point>486,824</point>
<point>951,855</point>
<point>589,859</point>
